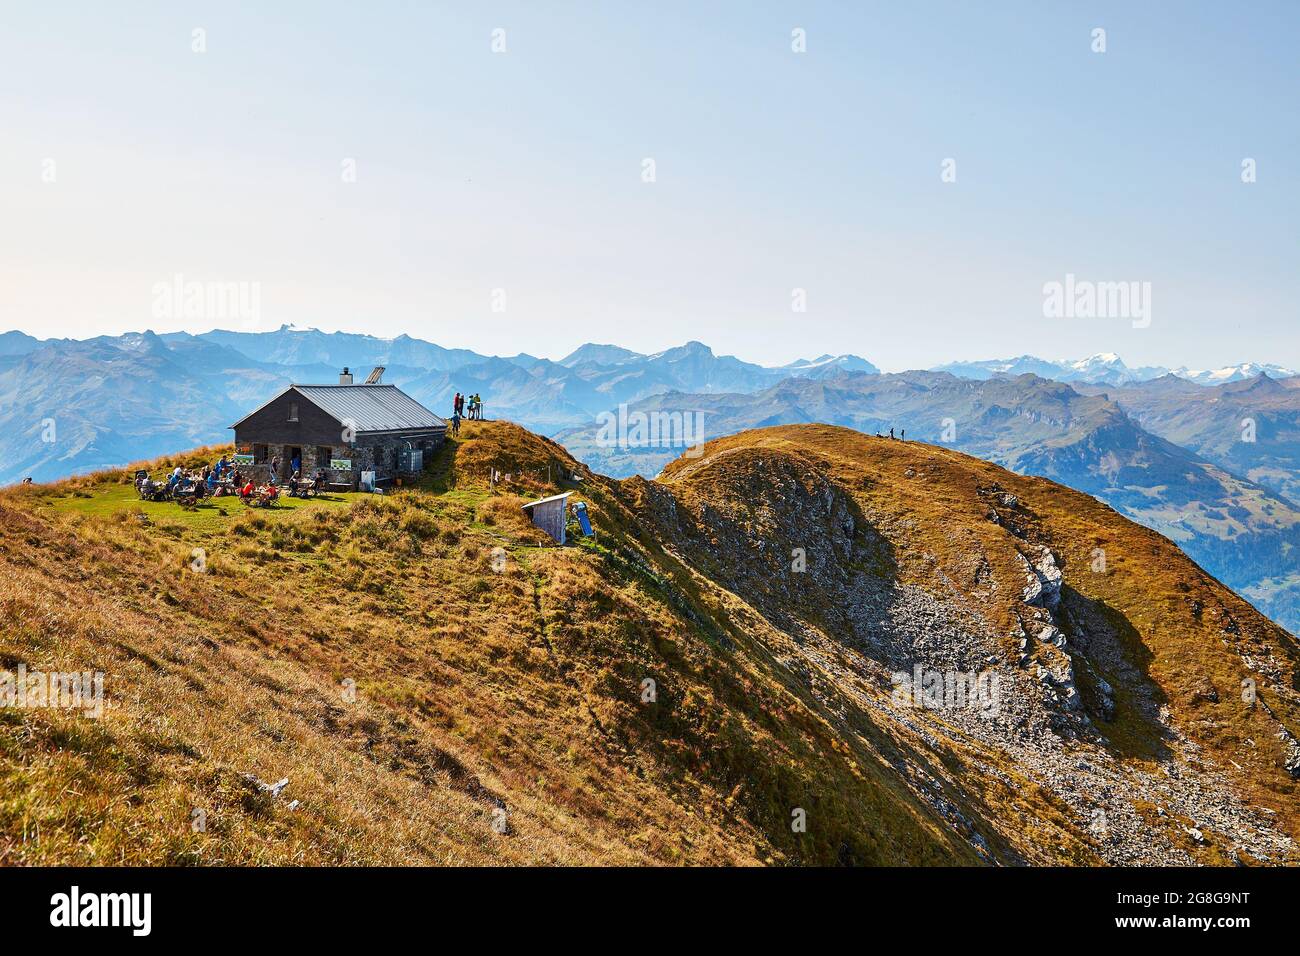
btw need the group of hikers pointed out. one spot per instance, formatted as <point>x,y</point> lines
<point>902,435</point>
<point>465,406</point>
<point>188,486</point>
<point>296,484</point>
<point>221,475</point>
<point>222,478</point>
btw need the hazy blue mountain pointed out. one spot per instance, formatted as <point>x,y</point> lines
<point>544,396</point>
<point>828,365</point>
<point>291,346</point>
<point>18,343</point>
<point>116,399</point>
<point>1233,373</point>
<point>547,396</point>
<point>1249,426</point>
<point>600,355</point>
<point>110,401</point>
<point>615,355</point>
<point>1106,367</point>
<point>227,372</point>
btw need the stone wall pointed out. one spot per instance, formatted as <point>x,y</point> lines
<point>370,452</point>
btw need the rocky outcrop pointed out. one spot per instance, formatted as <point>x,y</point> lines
<point>1042,580</point>
<point>1042,594</point>
<point>895,582</point>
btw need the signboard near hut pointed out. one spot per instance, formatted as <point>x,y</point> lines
<point>341,464</point>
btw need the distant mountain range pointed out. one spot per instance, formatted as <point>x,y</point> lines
<point>114,399</point>
<point>70,407</point>
<point>110,400</point>
<point>1106,368</point>
<point>1248,426</point>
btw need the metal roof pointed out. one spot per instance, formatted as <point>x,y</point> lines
<point>373,408</point>
<point>542,501</point>
<point>368,408</point>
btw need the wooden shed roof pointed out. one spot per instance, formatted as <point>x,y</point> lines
<point>542,501</point>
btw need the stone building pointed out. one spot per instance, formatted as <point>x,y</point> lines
<point>349,430</point>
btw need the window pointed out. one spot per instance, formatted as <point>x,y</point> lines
<point>324,454</point>
<point>293,411</point>
<point>259,453</point>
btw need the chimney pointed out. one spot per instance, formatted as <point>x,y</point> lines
<point>345,377</point>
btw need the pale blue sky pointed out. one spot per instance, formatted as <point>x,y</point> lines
<point>775,170</point>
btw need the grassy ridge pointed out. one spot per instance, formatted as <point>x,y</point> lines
<point>427,669</point>
<point>490,672</point>
<point>1193,640</point>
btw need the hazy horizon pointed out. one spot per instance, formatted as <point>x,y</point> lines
<point>811,355</point>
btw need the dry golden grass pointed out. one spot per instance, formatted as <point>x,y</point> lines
<point>1186,632</point>
<point>483,683</point>
<point>475,688</point>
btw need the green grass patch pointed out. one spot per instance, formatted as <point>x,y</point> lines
<point>205,519</point>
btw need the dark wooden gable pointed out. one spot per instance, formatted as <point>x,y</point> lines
<point>271,423</point>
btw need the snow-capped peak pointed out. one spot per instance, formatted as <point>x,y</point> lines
<point>1233,373</point>
<point>1101,358</point>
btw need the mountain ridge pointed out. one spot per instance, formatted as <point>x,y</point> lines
<point>499,709</point>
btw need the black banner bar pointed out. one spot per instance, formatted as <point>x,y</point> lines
<point>294,906</point>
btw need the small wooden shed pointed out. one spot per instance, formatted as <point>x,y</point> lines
<point>549,514</point>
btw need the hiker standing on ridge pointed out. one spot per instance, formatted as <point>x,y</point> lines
<point>891,433</point>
